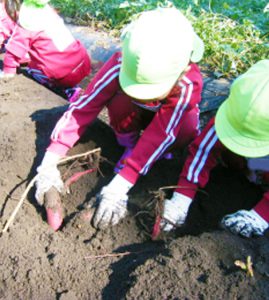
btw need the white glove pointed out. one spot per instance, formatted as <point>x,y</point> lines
<point>4,75</point>
<point>175,211</point>
<point>48,176</point>
<point>113,203</point>
<point>245,223</point>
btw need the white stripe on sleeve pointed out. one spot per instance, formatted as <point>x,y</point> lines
<point>202,153</point>
<point>186,92</point>
<point>85,99</point>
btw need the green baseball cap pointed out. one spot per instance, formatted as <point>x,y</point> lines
<point>157,48</point>
<point>33,14</point>
<point>242,121</point>
<point>36,3</point>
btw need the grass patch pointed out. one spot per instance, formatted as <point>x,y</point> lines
<point>235,32</point>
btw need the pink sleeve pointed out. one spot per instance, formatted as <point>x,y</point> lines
<point>262,208</point>
<point>11,63</point>
<point>161,132</point>
<point>17,47</point>
<point>84,111</point>
<point>6,24</point>
<point>203,154</point>
<point>2,38</point>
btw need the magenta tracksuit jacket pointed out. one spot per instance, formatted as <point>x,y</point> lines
<point>6,24</point>
<point>204,153</point>
<point>163,123</point>
<point>53,50</point>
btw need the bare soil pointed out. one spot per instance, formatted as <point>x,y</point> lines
<point>36,263</point>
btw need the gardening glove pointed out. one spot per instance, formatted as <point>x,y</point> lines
<point>112,203</point>
<point>175,211</point>
<point>4,75</point>
<point>48,176</point>
<point>244,222</point>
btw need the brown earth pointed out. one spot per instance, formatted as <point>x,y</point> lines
<point>36,263</point>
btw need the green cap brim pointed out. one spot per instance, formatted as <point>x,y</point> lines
<point>234,140</point>
<point>198,49</point>
<point>144,91</point>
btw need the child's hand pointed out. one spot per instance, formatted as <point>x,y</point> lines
<point>175,211</point>
<point>246,223</point>
<point>48,177</point>
<point>4,75</point>
<point>112,208</point>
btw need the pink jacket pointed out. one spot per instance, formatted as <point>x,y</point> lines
<point>6,24</point>
<point>155,139</point>
<point>204,153</point>
<point>53,50</point>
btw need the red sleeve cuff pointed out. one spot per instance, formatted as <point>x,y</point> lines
<point>10,70</point>
<point>186,188</point>
<point>130,171</point>
<point>57,148</point>
<point>262,207</point>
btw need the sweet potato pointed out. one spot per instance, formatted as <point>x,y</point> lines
<point>54,208</point>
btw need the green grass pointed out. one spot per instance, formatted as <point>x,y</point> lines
<point>235,32</point>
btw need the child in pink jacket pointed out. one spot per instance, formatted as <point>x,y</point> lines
<point>6,25</point>
<point>240,137</point>
<point>152,90</point>
<point>57,60</point>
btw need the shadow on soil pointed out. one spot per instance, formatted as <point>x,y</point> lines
<point>121,279</point>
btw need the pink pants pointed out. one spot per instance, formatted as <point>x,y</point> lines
<point>77,74</point>
<point>69,81</point>
<point>126,117</point>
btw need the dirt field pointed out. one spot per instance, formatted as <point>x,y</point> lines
<point>36,263</point>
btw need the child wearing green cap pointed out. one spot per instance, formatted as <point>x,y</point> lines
<point>239,136</point>
<point>151,90</point>
<point>57,60</point>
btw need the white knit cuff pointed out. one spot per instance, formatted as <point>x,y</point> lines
<point>118,183</point>
<point>261,220</point>
<point>182,200</point>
